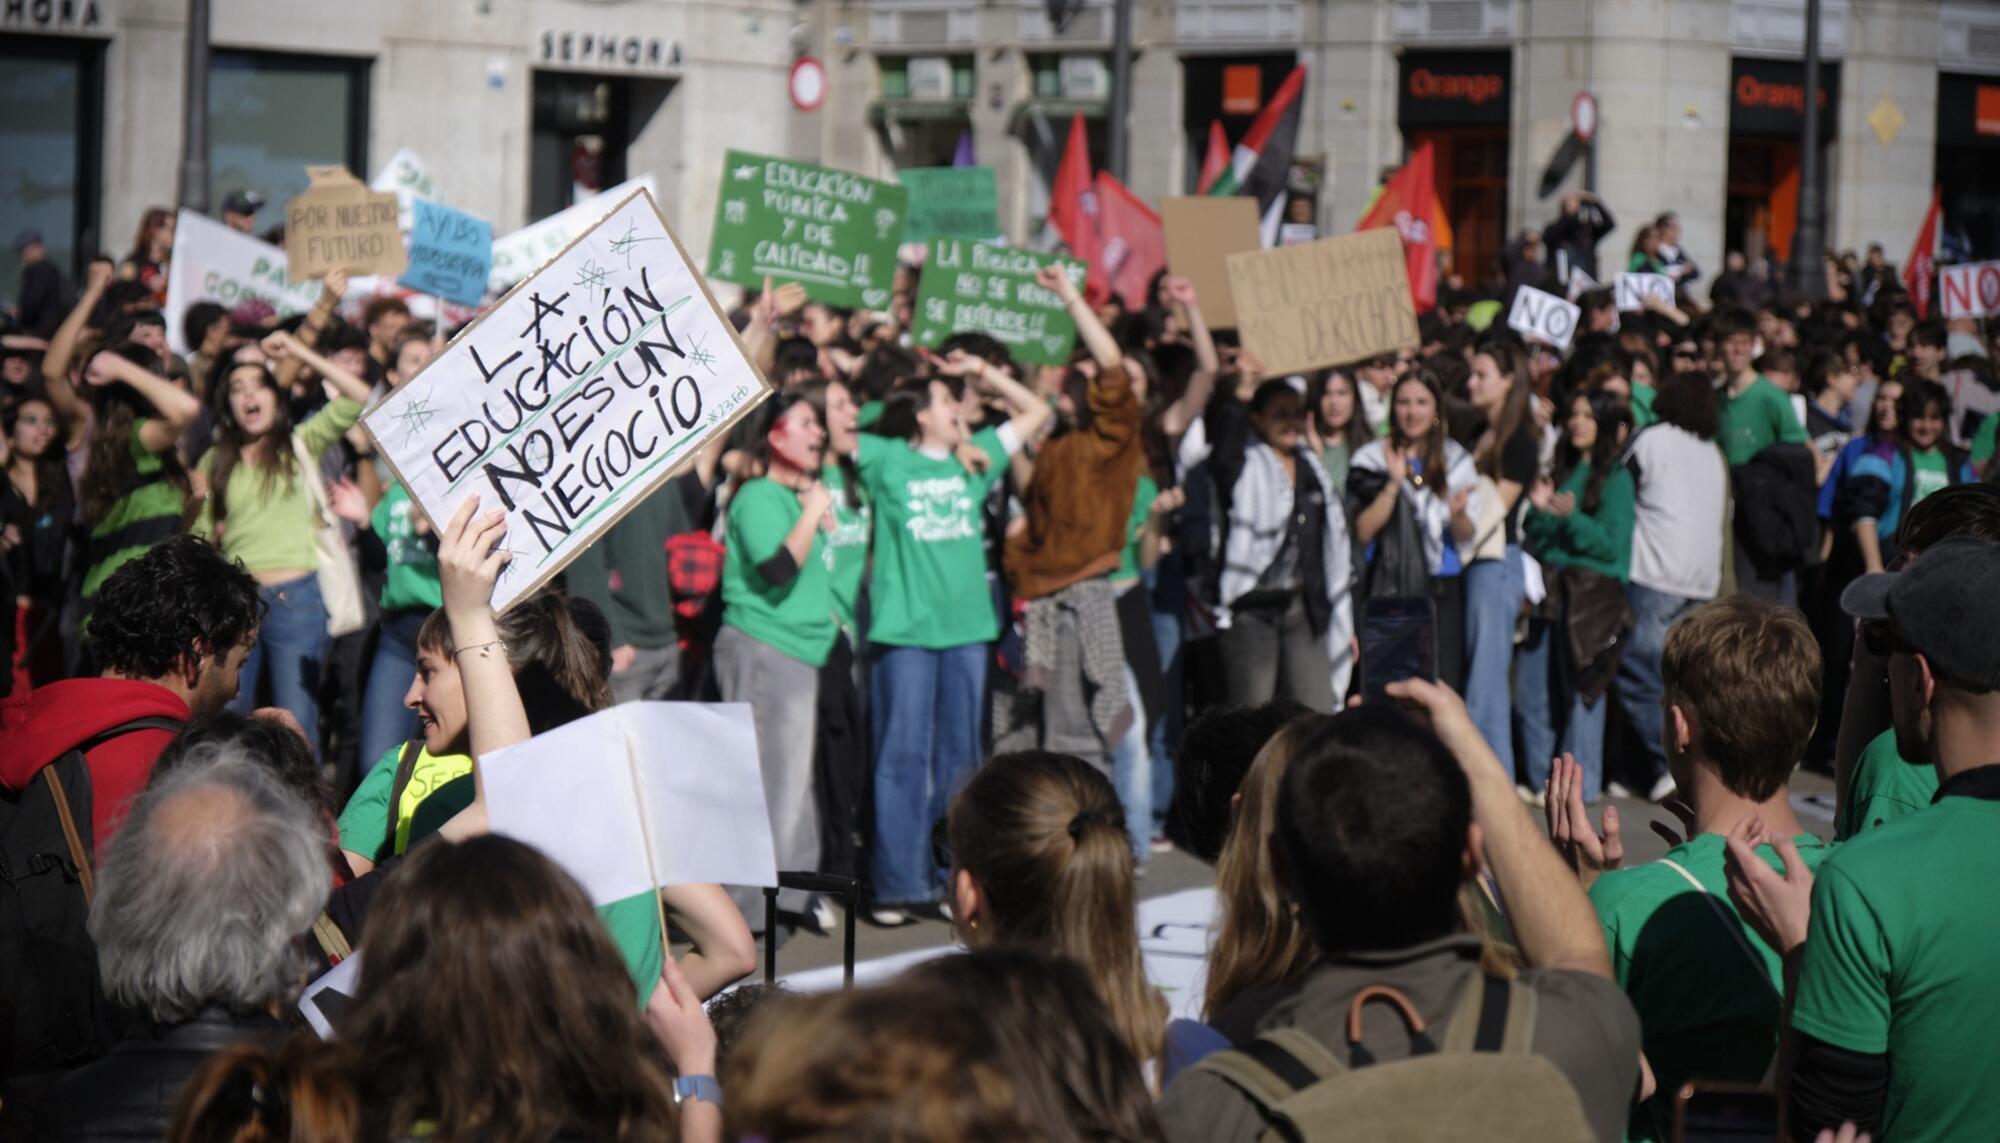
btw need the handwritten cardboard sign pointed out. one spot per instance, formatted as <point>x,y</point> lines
<point>1543,317</point>
<point>1631,291</point>
<point>1202,232</point>
<point>574,397</point>
<point>451,252</point>
<point>1324,303</point>
<point>337,223</point>
<point>833,232</point>
<point>950,202</point>
<point>213,263</point>
<point>973,287</point>
<point>1969,291</point>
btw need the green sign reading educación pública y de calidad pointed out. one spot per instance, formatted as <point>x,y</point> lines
<point>833,232</point>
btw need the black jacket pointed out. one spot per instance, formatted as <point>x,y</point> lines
<point>130,1094</point>
<point>1573,238</point>
<point>1777,509</point>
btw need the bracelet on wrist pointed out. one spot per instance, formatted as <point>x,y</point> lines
<point>484,649</point>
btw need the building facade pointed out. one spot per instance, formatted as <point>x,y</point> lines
<point>519,106</point>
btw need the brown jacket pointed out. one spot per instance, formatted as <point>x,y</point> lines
<point>1081,496</point>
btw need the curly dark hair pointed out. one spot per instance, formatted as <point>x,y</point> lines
<point>182,598</point>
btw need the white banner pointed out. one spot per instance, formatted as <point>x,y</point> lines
<point>517,255</point>
<point>572,398</point>
<point>1543,317</point>
<point>212,263</point>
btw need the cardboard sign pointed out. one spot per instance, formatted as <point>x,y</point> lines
<point>572,398</point>
<point>1632,290</point>
<point>639,797</point>
<point>950,202</point>
<point>451,253</point>
<point>1543,317</point>
<point>973,287</point>
<point>212,263</point>
<point>336,223</point>
<point>408,177</point>
<point>1202,233</point>
<point>1970,291</point>
<point>516,255</point>
<point>1324,303</point>
<point>832,232</point>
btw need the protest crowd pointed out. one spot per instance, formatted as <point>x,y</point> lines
<point>1011,620</point>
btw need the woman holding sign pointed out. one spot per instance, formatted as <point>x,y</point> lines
<point>778,621</point>
<point>259,511</point>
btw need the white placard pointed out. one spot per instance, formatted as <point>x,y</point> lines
<point>408,177</point>
<point>1580,283</point>
<point>212,263</point>
<point>1632,290</point>
<point>516,255</point>
<point>325,1001</point>
<point>1970,291</point>
<point>574,397</point>
<point>639,796</point>
<point>1543,317</point>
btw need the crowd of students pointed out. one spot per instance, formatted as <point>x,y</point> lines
<point>1007,631</point>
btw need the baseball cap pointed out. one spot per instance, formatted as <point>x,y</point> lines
<point>243,202</point>
<point>1945,606</point>
<point>29,236</point>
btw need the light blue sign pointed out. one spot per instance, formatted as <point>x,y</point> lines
<point>451,253</point>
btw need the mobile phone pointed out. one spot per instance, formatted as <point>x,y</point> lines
<point>1398,641</point>
<point>1714,1112</point>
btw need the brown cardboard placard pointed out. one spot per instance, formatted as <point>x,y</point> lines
<point>1202,233</point>
<point>1324,303</point>
<point>337,223</point>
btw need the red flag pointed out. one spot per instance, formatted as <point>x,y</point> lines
<point>1409,203</point>
<point>1133,244</point>
<point>1217,159</point>
<point>1073,198</point>
<point>1920,269</point>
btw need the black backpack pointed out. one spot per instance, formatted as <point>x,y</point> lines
<point>50,997</point>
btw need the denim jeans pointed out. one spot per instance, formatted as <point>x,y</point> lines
<point>1493,594</point>
<point>925,709</point>
<point>385,722</point>
<point>1544,685</point>
<point>291,650</point>
<point>1270,650</point>
<point>1132,775</point>
<point>1163,727</point>
<point>1639,684</point>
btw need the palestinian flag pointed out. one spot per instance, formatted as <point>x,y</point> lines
<point>1215,163</point>
<point>1262,164</point>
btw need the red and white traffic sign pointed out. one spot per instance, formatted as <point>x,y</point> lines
<point>1583,115</point>
<point>808,83</point>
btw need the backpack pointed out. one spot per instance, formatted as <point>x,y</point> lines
<point>1478,1080</point>
<point>49,991</point>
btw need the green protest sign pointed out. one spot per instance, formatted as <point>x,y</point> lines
<point>969,287</point>
<point>833,232</point>
<point>951,202</point>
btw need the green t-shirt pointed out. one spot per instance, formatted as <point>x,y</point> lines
<point>1930,472</point>
<point>847,547</point>
<point>412,578</point>
<point>869,413</point>
<point>1983,441</point>
<point>929,587</point>
<point>1600,541</point>
<point>1756,419</point>
<point>1142,506</point>
<point>151,512</point>
<point>1899,960</point>
<point>1883,788</point>
<point>795,616</point>
<point>1642,405</point>
<point>634,922</point>
<point>1705,1008</point>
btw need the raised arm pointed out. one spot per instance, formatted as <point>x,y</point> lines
<point>1369,522</point>
<point>469,562</point>
<point>331,290</point>
<point>1207,363</point>
<point>1103,347</point>
<point>1027,413</point>
<point>772,306</point>
<point>177,407</point>
<point>283,347</point>
<point>63,396</point>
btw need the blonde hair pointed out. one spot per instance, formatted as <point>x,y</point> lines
<point>1259,940</point>
<point>1749,673</point>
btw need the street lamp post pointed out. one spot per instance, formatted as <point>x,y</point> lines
<point>1809,241</point>
<point>194,133</point>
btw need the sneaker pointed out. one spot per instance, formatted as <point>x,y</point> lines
<point>823,916</point>
<point>1662,789</point>
<point>930,911</point>
<point>1618,790</point>
<point>1161,844</point>
<point>1535,798</point>
<point>889,917</point>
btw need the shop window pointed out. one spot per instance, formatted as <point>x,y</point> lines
<point>271,115</point>
<point>50,98</point>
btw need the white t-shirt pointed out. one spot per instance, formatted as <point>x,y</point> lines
<point>1682,486</point>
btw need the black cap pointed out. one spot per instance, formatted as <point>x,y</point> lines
<point>243,202</point>
<point>1945,606</point>
<point>27,237</point>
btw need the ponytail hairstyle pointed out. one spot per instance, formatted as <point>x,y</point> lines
<point>1611,414</point>
<point>1512,362</point>
<point>814,393</point>
<point>1044,837</point>
<point>911,396</point>
<point>774,410</point>
<point>111,473</point>
<point>290,1092</point>
<point>559,668</point>
<point>276,463</point>
<point>1428,448</point>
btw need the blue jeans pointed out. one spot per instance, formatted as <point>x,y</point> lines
<point>385,722</point>
<point>1132,774</point>
<point>1639,684</point>
<point>1545,684</point>
<point>926,713</point>
<point>1493,593</point>
<point>1163,729</point>
<point>291,649</point>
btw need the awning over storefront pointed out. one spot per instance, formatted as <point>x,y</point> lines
<point>883,113</point>
<point>1054,112</point>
